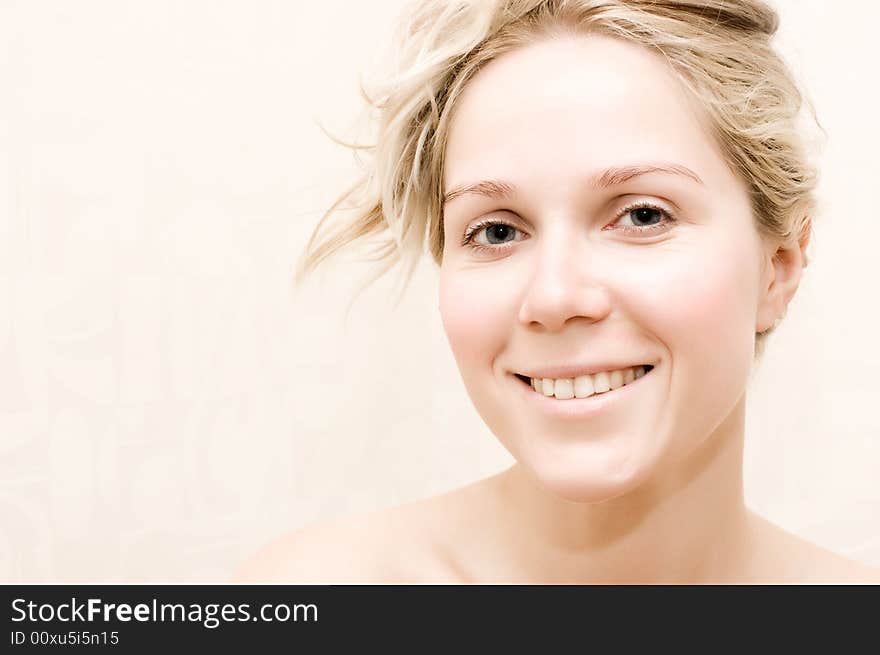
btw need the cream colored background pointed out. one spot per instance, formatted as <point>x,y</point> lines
<point>167,405</point>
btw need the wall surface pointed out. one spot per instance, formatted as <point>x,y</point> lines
<point>168,404</point>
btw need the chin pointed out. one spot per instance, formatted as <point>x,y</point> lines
<point>592,481</point>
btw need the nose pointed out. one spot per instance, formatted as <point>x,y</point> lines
<point>567,283</point>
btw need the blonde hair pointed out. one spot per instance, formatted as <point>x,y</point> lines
<point>719,49</point>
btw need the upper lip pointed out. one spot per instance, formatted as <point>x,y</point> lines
<point>576,370</point>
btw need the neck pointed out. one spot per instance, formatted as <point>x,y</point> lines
<point>687,525</point>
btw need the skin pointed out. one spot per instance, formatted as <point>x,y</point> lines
<point>650,489</point>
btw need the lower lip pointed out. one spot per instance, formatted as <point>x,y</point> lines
<point>581,408</point>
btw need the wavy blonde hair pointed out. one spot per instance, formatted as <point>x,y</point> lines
<point>719,49</point>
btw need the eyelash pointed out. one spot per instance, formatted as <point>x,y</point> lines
<point>668,221</point>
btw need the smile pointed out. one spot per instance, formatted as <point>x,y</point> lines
<point>584,386</point>
<point>575,408</point>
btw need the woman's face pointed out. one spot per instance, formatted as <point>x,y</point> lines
<point>606,233</point>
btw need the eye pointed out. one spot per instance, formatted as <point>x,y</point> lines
<point>644,218</point>
<point>497,236</point>
<point>498,233</point>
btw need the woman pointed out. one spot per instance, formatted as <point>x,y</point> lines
<point>619,204</point>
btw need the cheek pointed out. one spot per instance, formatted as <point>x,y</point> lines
<point>701,304</point>
<point>714,304</point>
<point>475,320</point>
<point>697,296</point>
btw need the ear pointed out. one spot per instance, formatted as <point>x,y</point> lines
<point>782,276</point>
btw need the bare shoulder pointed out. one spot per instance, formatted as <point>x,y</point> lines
<point>336,551</point>
<point>796,560</point>
<point>403,544</point>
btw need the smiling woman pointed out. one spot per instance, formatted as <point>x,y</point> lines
<point>619,204</point>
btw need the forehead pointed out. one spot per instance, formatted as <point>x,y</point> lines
<point>572,105</point>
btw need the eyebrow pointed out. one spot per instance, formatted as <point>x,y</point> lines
<point>610,177</point>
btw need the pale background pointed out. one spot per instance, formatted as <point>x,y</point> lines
<point>167,404</point>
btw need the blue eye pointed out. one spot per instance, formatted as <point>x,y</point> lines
<point>641,218</point>
<point>499,231</point>
<point>644,218</point>
<point>498,235</point>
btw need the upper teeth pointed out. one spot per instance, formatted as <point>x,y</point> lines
<point>587,385</point>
